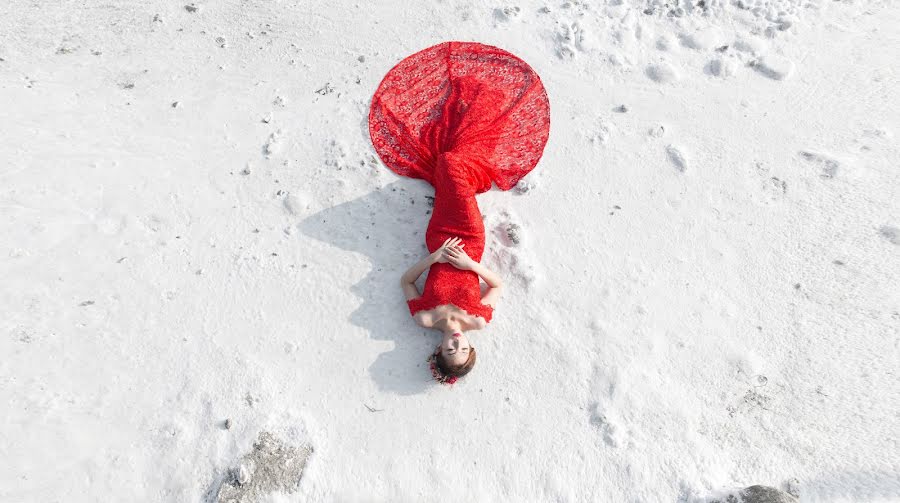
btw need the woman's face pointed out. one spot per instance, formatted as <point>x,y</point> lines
<point>455,348</point>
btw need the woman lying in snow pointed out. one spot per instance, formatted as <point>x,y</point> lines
<point>461,116</point>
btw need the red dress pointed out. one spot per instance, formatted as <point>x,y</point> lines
<point>459,115</point>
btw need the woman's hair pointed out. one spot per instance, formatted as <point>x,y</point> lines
<point>445,373</point>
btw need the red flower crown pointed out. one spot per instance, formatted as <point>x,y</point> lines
<point>436,371</point>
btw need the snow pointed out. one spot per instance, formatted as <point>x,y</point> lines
<point>702,269</point>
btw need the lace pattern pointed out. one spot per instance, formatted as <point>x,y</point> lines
<point>477,100</point>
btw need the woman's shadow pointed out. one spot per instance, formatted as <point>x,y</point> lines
<point>387,225</point>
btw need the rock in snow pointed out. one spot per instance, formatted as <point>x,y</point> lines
<point>757,494</point>
<point>272,465</point>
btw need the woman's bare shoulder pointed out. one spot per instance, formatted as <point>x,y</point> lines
<point>424,318</point>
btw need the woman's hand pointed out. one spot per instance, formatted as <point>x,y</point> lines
<point>459,258</point>
<point>440,255</point>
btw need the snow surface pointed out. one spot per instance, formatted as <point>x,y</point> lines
<point>195,227</point>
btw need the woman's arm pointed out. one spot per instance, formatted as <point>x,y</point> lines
<point>492,294</point>
<point>490,277</point>
<point>408,279</point>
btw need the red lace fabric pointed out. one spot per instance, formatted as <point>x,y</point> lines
<point>461,116</point>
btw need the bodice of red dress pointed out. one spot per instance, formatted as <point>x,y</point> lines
<point>461,116</point>
<point>449,285</point>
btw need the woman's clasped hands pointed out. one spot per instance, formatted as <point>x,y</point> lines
<point>452,252</point>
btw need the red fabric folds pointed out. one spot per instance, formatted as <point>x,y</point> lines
<point>461,116</point>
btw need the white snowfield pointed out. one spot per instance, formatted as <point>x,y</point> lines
<point>703,272</point>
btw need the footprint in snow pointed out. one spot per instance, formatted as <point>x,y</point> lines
<point>677,157</point>
<point>891,233</point>
<point>571,39</point>
<point>773,66</point>
<point>506,249</point>
<point>827,165</point>
<point>662,73</point>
